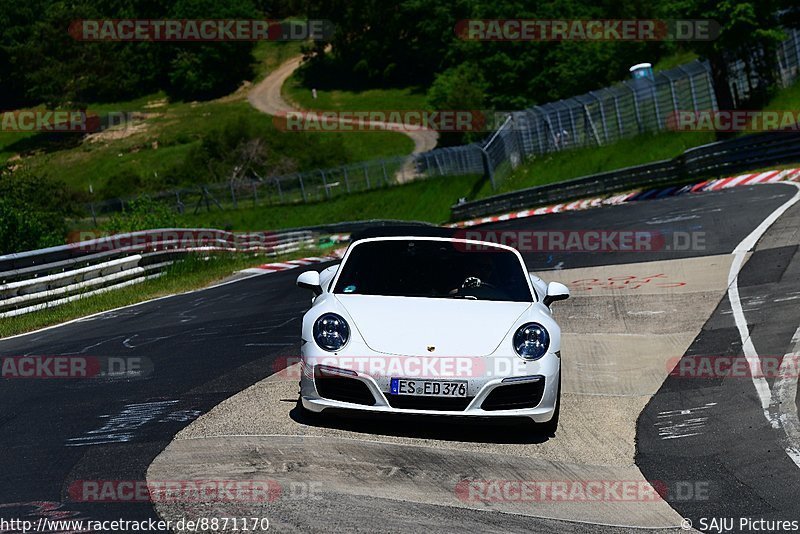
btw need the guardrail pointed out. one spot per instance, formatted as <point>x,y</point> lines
<point>723,157</point>
<point>39,279</point>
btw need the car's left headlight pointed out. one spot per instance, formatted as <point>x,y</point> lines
<point>331,332</point>
<point>531,341</point>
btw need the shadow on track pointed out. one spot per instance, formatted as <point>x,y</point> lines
<point>513,430</point>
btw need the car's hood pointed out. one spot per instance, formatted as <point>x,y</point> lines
<point>409,326</point>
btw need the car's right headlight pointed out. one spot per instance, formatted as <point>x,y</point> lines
<point>531,341</point>
<point>331,332</point>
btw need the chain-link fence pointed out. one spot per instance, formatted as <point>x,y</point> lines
<point>596,118</point>
<point>312,186</point>
<point>743,79</point>
<point>625,110</point>
<point>601,117</point>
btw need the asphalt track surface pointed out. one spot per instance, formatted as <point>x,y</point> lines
<point>206,346</point>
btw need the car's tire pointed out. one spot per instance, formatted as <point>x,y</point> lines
<point>551,426</point>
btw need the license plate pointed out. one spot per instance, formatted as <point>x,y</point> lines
<point>429,388</point>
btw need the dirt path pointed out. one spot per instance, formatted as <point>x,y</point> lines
<point>266,96</point>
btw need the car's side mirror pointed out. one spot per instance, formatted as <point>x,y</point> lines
<point>310,280</point>
<point>539,285</point>
<point>556,291</point>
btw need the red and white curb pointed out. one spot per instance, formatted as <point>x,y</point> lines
<point>294,264</point>
<point>639,194</point>
<point>767,177</point>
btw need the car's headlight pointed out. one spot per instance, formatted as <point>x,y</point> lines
<point>331,332</point>
<point>531,341</point>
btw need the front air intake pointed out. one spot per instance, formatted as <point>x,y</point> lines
<point>342,388</point>
<point>515,396</point>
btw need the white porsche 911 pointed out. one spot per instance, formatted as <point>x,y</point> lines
<point>422,322</point>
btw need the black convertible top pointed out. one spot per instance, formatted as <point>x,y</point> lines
<point>404,230</point>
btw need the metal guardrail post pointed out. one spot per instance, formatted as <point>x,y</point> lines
<point>325,185</point>
<point>346,181</point>
<point>179,205</point>
<point>619,117</point>
<point>691,86</point>
<point>674,96</point>
<point>233,196</point>
<point>302,187</point>
<point>659,119</point>
<point>796,39</point>
<point>602,115</point>
<point>280,189</point>
<point>636,107</point>
<point>488,172</point>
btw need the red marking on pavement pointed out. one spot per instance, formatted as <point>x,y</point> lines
<point>625,282</point>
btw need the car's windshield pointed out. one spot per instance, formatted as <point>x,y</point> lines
<point>435,269</point>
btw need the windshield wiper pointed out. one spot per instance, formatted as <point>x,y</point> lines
<point>468,297</point>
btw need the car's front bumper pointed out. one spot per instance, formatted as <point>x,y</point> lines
<point>541,376</point>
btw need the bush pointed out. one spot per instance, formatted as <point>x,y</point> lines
<point>141,214</point>
<point>123,184</point>
<point>33,211</point>
<point>22,229</point>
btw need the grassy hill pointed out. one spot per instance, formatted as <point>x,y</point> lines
<point>156,149</point>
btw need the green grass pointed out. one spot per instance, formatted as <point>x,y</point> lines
<point>185,275</point>
<point>332,99</point>
<point>675,60</point>
<point>270,54</point>
<point>570,164</point>
<point>162,139</point>
<point>786,99</point>
<point>427,200</point>
<point>165,139</point>
<point>430,200</point>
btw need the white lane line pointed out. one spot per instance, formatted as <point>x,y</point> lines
<point>784,397</point>
<point>740,253</point>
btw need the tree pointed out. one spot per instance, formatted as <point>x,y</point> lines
<point>461,88</point>
<point>209,70</point>
<point>750,31</point>
<point>33,211</point>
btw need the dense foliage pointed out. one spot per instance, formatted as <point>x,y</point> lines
<point>143,213</point>
<point>33,211</point>
<point>414,42</point>
<point>41,63</point>
<point>408,42</point>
